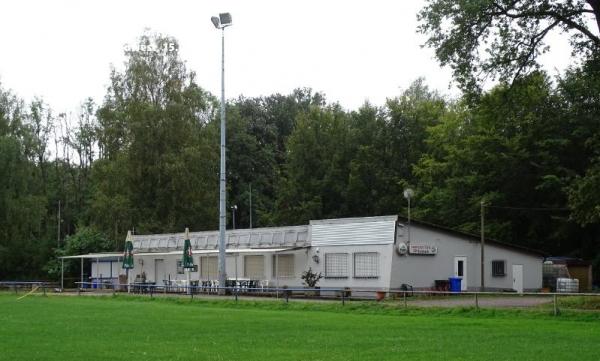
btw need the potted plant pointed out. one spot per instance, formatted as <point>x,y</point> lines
<point>310,280</point>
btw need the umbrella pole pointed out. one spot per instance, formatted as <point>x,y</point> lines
<point>189,284</point>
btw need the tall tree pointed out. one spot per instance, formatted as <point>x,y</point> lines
<point>158,168</point>
<point>482,39</point>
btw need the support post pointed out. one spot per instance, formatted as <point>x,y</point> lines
<point>482,246</point>
<point>476,301</point>
<point>250,205</point>
<point>58,227</point>
<point>277,273</point>
<point>62,274</point>
<point>555,299</point>
<point>81,280</point>
<point>404,296</point>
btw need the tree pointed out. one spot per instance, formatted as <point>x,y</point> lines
<point>482,39</point>
<point>159,158</point>
<point>316,171</point>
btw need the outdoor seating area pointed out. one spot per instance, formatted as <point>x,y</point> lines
<point>242,286</point>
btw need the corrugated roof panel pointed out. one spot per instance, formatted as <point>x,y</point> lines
<point>353,233</point>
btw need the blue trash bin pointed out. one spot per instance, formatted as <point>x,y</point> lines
<point>455,284</point>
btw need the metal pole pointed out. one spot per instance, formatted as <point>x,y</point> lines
<point>555,305</point>
<point>62,274</point>
<point>408,220</point>
<point>81,284</point>
<point>250,205</point>
<point>58,227</point>
<point>482,246</point>
<point>222,182</point>
<point>404,295</point>
<point>236,273</point>
<point>233,216</point>
<point>476,301</point>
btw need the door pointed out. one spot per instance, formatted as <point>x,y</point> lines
<point>159,271</point>
<point>517,273</point>
<point>460,270</point>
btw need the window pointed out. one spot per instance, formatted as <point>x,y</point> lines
<point>254,267</point>
<point>208,268</point>
<point>180,267</point>
<point>498,268</point>
<point>366,265</point>
<point>336,265</point>
<point>283,264</point>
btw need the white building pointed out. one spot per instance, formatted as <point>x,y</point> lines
<point>371,253</point>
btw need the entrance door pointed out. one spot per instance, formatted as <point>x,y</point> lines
<point>460,270</point>
<point>159,271</point>
<point>517,273</point>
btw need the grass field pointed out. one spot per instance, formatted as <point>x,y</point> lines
<point>128,328</point>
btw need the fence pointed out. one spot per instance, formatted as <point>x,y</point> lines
<point>31,285</point>
<point>416,298</point>
<point>405,298</point>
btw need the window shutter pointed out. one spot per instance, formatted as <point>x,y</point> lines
<point>285,268</point>
<point>254,267</point>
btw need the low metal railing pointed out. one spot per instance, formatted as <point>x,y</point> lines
<point>19,285</point>
<point>324,293</point>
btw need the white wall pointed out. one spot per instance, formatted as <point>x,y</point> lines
<point>385,259</point>
<point>420,271</point>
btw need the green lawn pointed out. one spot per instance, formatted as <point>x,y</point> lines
<point>127,328</point>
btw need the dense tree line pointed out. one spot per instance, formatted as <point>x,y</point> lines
<point>146,158</point>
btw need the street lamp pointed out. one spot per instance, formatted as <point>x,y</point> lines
<point>233,209</point>
<point>221,22</point>
<point>408,194</point>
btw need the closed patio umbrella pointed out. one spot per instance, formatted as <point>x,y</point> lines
<point>188,260</point>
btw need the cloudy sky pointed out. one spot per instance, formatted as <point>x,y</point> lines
<point>352,51</point>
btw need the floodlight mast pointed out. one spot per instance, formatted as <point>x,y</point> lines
<point>221,22</point>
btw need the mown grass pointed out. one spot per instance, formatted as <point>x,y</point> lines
<point>133,328</point>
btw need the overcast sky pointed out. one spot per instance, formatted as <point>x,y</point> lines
<point>351,50</point>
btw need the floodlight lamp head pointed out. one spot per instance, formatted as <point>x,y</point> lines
<point>225,19</point>
<point>408,193</point>
<point>216,22</point>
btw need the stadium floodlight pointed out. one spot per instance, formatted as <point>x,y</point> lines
<point>221,22</point>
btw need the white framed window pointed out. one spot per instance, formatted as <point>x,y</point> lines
<point>498,268</point>
<point>180,267</point>
<point>336,265</point>
<point>254,267</point>
<point>209,268</point>
<point>366,265</point>
<point>283,266</point>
